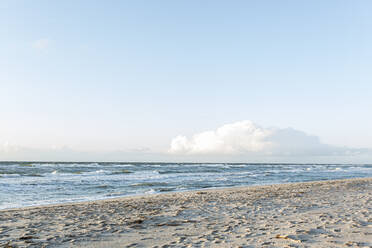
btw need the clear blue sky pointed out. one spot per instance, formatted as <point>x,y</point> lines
<point>133,75</point>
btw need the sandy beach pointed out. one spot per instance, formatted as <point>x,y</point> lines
<point>313,214</point>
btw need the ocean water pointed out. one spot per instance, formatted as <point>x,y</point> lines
<point>29,184</point>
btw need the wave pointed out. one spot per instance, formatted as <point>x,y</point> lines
<point>32,183</point>
<point>167,189</point>
<point>149,184</point>
<point>12,175</point>
<point>122,172</point>
<point>35,175</point>
<point>8,173</point>
<point>104,186</point>
<point>27,165</point>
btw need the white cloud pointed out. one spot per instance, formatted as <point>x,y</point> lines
<point>241,141</point>
<point>41,44</point>
<point>245,137</point>
<point>232,138</point>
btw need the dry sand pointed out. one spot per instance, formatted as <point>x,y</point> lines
<point>314,214</point>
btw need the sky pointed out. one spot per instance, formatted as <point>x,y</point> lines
<point>225,81</point>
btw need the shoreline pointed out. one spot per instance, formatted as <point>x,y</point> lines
<point>329,213</point>
<point>115,198</point>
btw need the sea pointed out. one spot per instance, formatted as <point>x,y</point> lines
<point>41,183</point>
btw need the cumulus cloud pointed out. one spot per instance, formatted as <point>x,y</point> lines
<point>232,138</point>
<point>41,44</point>
<point>245,137</point>
<point>242,141</point>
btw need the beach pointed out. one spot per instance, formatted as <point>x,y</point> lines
<point>335,213</point>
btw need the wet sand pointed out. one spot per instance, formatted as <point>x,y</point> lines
<point>314,214</point>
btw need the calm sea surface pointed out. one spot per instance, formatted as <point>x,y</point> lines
<point>29,184</point>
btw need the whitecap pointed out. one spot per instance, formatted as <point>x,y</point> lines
<point>150,191</point>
